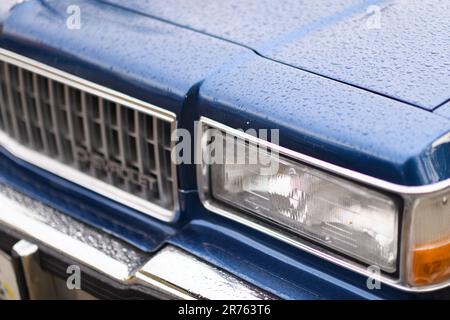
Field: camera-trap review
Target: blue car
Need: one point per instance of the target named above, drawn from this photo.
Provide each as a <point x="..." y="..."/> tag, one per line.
<point x="194" y="149"/>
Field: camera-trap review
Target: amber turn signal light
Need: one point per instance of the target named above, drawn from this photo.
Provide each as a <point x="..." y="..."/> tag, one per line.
<point x="431" y="263"/>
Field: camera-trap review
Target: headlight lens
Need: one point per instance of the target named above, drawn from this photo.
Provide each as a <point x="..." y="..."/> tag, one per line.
<point x="308" y="202"/>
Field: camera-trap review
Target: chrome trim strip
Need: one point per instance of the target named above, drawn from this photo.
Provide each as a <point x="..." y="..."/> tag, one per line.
<point x="74" y="175"/>
<point x="171" y="272"/>
<point x="347" y="173"/>
<point x="410" y="195"/>
<point x="198" y="278"/>
<point x="85" y="85"/>
<point x="44" y="224"/>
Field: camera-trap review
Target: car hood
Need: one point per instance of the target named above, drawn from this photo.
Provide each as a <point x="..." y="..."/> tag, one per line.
<point x="195" y="72"/>
<point x="396" y="48"/>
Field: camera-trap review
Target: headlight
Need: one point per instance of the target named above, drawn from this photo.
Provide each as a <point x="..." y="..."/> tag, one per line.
<point x="354" y="220"/>
<point x="339" y="214"/>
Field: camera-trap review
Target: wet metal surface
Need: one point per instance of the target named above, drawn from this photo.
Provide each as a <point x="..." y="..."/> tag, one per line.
<point x="398" y="48"/>
<point x="102" y="242"/>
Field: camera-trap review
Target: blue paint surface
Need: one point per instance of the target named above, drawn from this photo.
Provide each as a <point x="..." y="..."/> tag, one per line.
<point x="141" y="57"/>
<point x="213" y="71"/>
<point x="393" y="47"/>
<point x="329" y="120"/>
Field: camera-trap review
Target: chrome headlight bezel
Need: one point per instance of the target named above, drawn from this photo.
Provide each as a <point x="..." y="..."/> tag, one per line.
<point x="409" y="197"/>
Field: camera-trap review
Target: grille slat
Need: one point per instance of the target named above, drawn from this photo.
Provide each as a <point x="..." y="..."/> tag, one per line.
<point x="4" y="123"/>
<point x="10" y="107"/>
<point x="72" y="157"/>
<point x="84" y="114"/>
<point x="56" y="131"/>
<point x="40" y="116"/>
<point x="138" y="119"/>
<point x="104" y="135"/>
<point x="106" y="139"/>
<point x="24" y="92"/>
<point x="156" y="154"/>
<point x="121" y="144"/>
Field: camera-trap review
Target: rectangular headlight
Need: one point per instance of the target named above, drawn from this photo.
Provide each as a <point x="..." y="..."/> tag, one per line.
<point x="305" y="202"/>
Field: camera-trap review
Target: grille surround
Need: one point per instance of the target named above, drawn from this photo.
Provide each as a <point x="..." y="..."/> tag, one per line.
<point x="158" y="200"/>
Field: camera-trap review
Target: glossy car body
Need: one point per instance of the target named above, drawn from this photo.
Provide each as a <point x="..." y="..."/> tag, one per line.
<point x="370" y="100"/>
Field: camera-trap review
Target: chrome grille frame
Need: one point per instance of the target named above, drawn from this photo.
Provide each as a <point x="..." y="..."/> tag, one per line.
<point x="63" y="86"/>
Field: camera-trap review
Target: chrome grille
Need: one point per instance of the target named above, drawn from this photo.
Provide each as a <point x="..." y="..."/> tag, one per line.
<point x="122" y="145"/>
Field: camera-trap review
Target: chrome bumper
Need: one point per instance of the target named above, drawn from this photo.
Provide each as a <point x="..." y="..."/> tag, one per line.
<point x="171" y="273"/>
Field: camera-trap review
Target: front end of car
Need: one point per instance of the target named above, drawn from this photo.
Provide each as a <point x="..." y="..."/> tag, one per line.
<point x="120" y="145"/>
